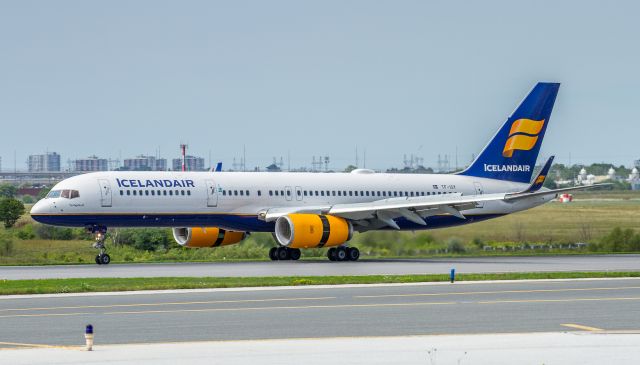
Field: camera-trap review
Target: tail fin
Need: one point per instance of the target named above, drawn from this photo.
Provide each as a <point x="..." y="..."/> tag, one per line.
<point x="512" y="153"/>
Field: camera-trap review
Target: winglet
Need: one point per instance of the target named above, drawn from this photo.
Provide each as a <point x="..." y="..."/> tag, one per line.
<point x="218" y="167"/>
<point x="540" y="178"/>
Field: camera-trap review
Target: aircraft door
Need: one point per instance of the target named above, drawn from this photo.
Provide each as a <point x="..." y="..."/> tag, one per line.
<point x="298" y="193"/>
<point x="479" y="191"/>
<point x="287" y="192"/>
<point x="212" y="193"/>
<point x="105" y="192"/>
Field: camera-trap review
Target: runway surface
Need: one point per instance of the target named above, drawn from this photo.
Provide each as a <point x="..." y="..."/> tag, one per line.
<point x="322" y="312"/>
<point x="323" y="268"/>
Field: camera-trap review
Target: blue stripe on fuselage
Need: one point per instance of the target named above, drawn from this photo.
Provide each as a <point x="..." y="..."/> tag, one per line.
<point x="249" y="223"/>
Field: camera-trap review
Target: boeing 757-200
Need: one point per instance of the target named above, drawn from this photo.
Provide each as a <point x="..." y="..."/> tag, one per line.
<point x="313" y="210"/>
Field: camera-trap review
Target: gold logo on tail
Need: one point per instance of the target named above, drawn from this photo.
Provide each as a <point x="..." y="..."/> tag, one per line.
<point x="522" y="136"/>
<point x="540" y="179"/>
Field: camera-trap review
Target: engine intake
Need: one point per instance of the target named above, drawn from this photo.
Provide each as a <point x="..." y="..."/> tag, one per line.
<point x="312" y="230"/>
<point x="206" y="237"/>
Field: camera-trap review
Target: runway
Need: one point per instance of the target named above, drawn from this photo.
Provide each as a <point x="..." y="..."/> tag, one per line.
<point x="324" y="268"/>
<point x="323" y="312"/>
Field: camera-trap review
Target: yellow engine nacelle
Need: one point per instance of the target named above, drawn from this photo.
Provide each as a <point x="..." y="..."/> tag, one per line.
<point x="206" y="237"/>
<point x="312" y="230"/>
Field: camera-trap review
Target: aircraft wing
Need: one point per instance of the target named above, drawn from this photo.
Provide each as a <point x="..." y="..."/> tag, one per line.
<point x="380" y="213"/>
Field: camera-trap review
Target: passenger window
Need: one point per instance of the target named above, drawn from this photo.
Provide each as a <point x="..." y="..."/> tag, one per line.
<point x="259" y="193"/>
<point x="350" y="192"/>
<point x="135" y="192"/>
<point x="146" y="192"/>
<point x="384" y="193"/>
<point x="128" y="192"/>
<point x="322" y="192"/>
<point x="270" y="192"/>
<point x="153" y="192"/>
<point x="189" y="192"/>
<point x="171" y="192"/>
<point x="299" y="192"/>
<point x="121" y="192"/>
<point x="164" y="192"/>
<point x="305" y="193"/>
<point x="282" y="192"/>
<point x="182" y="192"/>
<point x="367" y="193"/>
<point x="242" y="192"/>
<point x="288" y="192"/>
<point x="317" y="194"/>
<point x="339" y="193"/>
<point x="356" y="192"/>
<point x="247" y="192"/>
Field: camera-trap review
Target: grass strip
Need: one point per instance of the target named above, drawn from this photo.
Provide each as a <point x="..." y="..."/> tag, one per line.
<point x="80" y="285"/>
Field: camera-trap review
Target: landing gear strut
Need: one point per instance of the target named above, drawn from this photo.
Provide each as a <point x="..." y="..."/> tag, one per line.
<point x="284" y="253"/>
<point x="100" y="235"/>
<point x="343" y="254"/>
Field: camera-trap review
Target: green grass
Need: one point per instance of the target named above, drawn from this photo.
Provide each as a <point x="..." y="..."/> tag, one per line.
<point x="45" y="286"/>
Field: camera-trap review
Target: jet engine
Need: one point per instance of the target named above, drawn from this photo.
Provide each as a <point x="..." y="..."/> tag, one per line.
<point x="206" y="237"/>
<point x="312" y="230"/>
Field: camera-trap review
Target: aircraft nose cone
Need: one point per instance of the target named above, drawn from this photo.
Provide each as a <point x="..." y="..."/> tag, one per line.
<point x="39" y="208"/>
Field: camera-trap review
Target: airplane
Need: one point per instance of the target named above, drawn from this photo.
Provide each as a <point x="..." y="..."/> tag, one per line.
<point x="313" y="210"/>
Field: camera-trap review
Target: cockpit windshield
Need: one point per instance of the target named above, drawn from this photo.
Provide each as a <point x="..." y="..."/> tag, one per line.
<point x="68" y="194"/>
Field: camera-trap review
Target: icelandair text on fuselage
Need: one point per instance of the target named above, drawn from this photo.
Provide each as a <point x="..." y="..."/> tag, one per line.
<point x="510" y="168"/>
<point x="165" y="183"/>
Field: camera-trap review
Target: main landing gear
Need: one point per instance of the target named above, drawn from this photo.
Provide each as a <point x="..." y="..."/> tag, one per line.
<point x="284" y="253"/>
<point x="100" y="235"/>
<point x="343" y="254"/>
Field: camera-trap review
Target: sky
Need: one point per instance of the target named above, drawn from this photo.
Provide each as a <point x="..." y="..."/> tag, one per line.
<point x="313" y="78"/>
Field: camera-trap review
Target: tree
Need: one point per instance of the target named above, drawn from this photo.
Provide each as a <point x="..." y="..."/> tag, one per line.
<point x="8" y="191"/>
<point x="10" y="211"/>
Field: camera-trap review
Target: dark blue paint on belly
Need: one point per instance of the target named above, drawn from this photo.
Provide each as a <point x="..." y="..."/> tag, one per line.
<point x="249" y="223"/>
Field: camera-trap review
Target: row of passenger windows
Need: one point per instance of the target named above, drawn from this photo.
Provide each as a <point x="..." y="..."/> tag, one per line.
<point x="374" y="193"/>
<point x="156" y="192"/>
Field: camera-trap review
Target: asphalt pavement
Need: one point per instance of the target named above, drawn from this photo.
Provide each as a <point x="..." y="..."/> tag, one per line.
<point x="325" y="267"/>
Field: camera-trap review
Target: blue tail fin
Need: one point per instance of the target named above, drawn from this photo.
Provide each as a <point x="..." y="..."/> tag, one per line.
<point x="512" y="153"/>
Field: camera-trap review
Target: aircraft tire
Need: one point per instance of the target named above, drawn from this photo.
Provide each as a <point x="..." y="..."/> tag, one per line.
<point x="105" y="259"/>
<point x="331" y="254"/>
<point x="295" y="254"/>
<point x="353" y="254"/>
<point x="341" y="254"/>
<point x="283" y="253"/>
<point x="272" y="254"/>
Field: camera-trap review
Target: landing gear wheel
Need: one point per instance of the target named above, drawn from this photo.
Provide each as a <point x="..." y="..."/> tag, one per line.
<point x="105" y="259"/>
<point x="331" y="254"/>
<point x="282" y="253"/>
<point x="295" y="254"/>
<point x="341" y="254"/>
<point x="353" y="254"/>
<point x="272" y="253"/>
<point x="100" y="233"/>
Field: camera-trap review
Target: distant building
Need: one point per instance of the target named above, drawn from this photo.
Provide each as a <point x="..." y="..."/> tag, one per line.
<point x="192" y="163"/>
<point x="273" y="168"/>
<point x="145" y="163"/>
<point x="44" y="163"/>
<point x="91" y="163"/>
<point x="634" y="179"/>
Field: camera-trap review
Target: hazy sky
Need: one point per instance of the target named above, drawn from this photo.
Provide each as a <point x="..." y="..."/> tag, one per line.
<point x="313" y="78"/>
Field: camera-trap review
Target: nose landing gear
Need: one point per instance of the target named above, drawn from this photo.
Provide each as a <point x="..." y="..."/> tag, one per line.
<point x="100" y="235"/>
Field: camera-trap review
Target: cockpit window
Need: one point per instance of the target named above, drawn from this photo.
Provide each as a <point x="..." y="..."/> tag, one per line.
<point x="69" y="194"/>
<point x="53" y="194"/>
